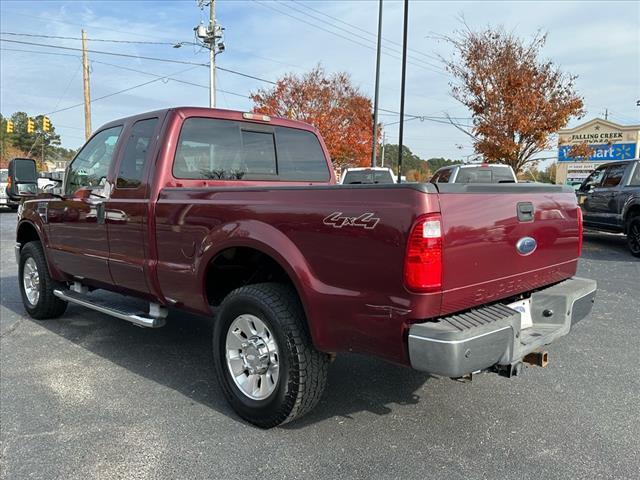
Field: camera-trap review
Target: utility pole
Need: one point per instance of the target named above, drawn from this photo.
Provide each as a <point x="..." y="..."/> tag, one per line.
<point x="375" y="101"/>
<point x="402" y="85"/>
<point x="384" y="141"/>
<point x="86" y="88"/>
<point x="210" y="37"/>
<point x="212" y="56"/>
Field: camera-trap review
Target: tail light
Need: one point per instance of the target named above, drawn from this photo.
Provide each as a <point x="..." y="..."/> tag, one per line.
<point x="580" y="231"/>
<point x="423" y="260"/>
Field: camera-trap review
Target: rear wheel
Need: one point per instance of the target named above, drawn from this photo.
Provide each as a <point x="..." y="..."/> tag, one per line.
<point x="36" y="286"/>
<point x="267" y="366"/>
<point x="633" y="235"/>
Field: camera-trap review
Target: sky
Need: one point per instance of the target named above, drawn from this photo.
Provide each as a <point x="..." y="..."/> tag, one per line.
<point x="599" y="41"/>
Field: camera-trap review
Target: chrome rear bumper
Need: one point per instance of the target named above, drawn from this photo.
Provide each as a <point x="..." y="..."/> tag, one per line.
<point x="491" y="336"/>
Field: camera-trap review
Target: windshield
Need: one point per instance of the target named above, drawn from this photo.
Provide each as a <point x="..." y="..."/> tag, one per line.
<point x="484" y="174"/>
<point x="367" y="176"/>
<point x="4" y="174"/>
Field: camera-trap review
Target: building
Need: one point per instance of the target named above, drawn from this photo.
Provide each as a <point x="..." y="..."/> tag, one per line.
<point x="608" y="141"/>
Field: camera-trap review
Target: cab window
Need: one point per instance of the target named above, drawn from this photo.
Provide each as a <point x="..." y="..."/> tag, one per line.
<point x="136" y="154"/>
<point x="613" y="175"/>
<point x="90" y="167"/>
<point x="443" y="176"/>
<point x="635" y="178"/>
<point x="214" y="149"/>
<point x="594" y="180"/>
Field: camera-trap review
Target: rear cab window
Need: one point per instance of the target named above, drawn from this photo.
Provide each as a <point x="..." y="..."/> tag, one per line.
<point x="214" y="149"/>
<point x="367" y="176"/>
<point x="487" y="174"/>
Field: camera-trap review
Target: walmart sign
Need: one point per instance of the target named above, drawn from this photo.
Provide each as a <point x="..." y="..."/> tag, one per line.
<point x="617" y="151"/>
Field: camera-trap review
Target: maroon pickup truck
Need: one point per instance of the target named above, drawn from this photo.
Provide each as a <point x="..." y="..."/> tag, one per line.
<point x="237" y="216"/>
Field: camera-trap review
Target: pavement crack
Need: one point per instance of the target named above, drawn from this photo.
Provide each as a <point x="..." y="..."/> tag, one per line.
<point x="11" y="329"/>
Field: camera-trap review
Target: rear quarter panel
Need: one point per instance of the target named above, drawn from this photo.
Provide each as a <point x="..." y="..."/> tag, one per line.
<point x="350" y="278"/>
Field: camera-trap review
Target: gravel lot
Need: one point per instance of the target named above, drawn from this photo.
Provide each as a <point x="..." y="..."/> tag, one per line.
<point x="88" y="396"/>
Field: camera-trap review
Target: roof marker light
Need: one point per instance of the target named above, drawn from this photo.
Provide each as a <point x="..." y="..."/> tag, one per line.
<point x="256" y="116"/>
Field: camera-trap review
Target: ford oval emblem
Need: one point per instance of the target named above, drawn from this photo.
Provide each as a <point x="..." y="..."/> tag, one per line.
<point x="526" y="246"/>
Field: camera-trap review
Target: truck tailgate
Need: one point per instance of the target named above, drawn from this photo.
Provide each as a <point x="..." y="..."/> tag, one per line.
<point x="482" y="228"/>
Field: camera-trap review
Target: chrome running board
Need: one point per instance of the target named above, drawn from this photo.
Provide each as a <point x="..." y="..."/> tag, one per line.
<point x="154" y="319"/>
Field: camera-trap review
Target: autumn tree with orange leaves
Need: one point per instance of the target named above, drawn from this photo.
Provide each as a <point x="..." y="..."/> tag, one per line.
<point x="332" y="104"/>
<point x="517" y="100"/>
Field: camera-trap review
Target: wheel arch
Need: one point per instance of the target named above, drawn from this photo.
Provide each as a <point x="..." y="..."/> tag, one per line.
<point x="29" y="231"/>
<point x="248" y="244"/>
<point x="632" y="209"/>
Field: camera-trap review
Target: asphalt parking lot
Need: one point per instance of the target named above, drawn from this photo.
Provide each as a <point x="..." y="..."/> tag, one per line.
<point x="88" y="396"/>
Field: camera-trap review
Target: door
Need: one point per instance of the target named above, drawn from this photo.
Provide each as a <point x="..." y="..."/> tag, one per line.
<point x="585" y="195"/>
<point x="127" y="210"/>
<point x="602" y="200"/>
<point x="77" y="230"/>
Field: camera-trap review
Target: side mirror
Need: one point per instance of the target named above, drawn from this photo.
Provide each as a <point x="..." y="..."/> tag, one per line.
<point x="22" y="178"/>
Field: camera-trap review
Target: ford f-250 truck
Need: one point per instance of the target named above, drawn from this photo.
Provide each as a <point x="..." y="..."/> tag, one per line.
<point x="237" y="216"/>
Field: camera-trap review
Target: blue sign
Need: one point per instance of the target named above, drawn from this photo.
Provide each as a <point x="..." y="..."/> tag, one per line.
<point x="601" y="153"/>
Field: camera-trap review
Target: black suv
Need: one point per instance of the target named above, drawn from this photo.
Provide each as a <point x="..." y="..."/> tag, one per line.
<point x="610" y="200"/>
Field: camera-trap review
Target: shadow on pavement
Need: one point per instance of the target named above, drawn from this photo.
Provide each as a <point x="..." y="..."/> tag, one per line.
<point x="179" y="356"/>
<point x="606" y="246"/>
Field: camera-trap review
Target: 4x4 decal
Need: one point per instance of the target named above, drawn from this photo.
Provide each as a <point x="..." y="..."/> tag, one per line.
<point x="338" y="220"/>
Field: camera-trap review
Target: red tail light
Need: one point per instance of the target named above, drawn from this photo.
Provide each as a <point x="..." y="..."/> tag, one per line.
<point x="423" y="260"/>
<point x="580" y="231"/>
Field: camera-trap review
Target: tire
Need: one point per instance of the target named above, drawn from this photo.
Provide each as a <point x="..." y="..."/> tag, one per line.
<point x="633" y="235"/>
<point x="301" y="369"/>
<point x="43" y="304"/>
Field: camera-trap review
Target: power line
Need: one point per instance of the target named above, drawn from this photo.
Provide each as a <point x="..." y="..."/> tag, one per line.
<point x="169" y="77"/>
<point x="141" y="57"/>
<point x="142" y="42"/>
<point x="48" y="20"/>
<point x="350" y="32"/>
<point x="116" y="93"/>
<point x="38" y="51"/>
<point x="314" y="25"/>
<point x="363" y="30"/>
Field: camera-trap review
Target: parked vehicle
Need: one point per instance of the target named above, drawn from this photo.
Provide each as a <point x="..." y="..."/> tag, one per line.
<point x="4" y="198"/>
<point x="360" y="175"/>
<point x="237" y="216"/>
<point x="610" y="200"/>
<point x="475" y="173"/>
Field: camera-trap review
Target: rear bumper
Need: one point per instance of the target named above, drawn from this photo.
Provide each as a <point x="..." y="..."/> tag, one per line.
<point x="491" y="336"/>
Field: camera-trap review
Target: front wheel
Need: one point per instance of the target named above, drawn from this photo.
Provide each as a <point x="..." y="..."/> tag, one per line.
<point x="267" y="366"/>
<point x="36" y="286"/>
<point x="633" y="236"/>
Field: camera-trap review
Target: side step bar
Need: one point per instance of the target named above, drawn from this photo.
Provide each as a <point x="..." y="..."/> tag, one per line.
<point x="154" y="319"/>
